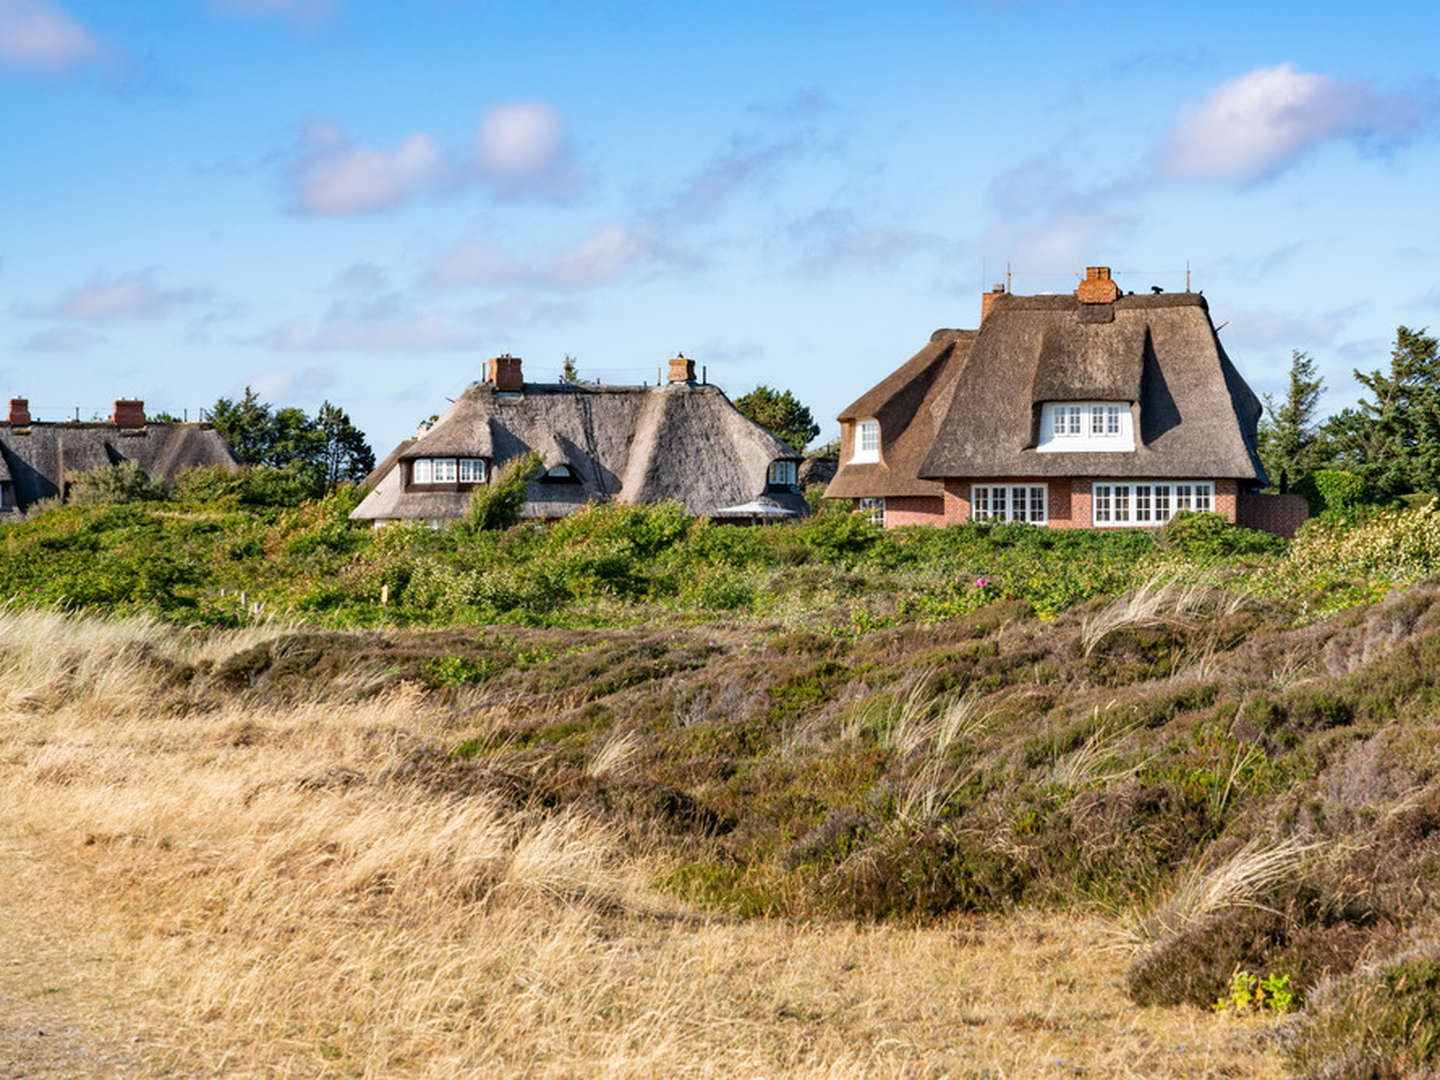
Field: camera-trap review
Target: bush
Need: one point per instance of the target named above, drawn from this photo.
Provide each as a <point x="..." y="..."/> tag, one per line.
<point x="497" y="505"/>
<point x="208" y="484"/>
<point x="1334" y="490"/>
<point x="1203" y="534"/>
<point x="112" y="485"/>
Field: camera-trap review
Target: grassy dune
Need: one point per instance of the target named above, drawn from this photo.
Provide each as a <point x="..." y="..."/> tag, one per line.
<point x="273" y="881"/>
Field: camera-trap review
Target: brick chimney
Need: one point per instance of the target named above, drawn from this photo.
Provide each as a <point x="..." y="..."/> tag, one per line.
<point x="986" y="299"/>
<point x="129" y="413"/>
<point x="681" y="369"/>
<point x="19" y="412"/>
<point x="505" y="374"/>
<point x="1097" y="288"/>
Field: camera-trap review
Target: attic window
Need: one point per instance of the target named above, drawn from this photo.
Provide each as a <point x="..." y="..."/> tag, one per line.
<point x="867" y="441"/>
<point x="1085" y="426"/>
<point x="447" y="471"/>
<point x="781" y="474"/>
<point x="559" y="474"/>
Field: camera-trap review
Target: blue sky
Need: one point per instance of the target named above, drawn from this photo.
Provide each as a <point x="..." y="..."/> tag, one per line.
<point x="362" y="201"/>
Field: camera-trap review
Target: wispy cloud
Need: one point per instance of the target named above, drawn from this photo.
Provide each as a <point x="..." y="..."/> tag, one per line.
<point x="832" y="239"/>
<point x="289" y="385"/>
<point x="39" y="35"/>
<point x="606" y="253"/>
<point x="106" y="299"/>
<point x="385" y="324"/>
<point x="744" y="163"/>
<point x="361" y="279"/>
<point x="60" y="339"/>
<point x="1259" y="124"/>
<point x="301" y="12"/>
<point x="1264" y="327"/>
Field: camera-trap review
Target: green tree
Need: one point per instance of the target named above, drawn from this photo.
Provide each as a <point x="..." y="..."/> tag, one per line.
<point x="1401" y="445"/>
<point x="781" y="414"/>
<point x="245" y="424"/>
<point x="347" y="456"/>
<point x="1287" y="436"/>
<point x="570" y="372"/>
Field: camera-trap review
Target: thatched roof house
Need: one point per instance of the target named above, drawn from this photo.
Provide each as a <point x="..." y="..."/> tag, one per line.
<point x="39" y="459"/>
<point x="634" y="444"/>
<point x="1094" y="409"/>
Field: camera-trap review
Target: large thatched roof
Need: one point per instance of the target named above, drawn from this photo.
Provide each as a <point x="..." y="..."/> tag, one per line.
<point x="41" y="457"/>
<point x="969" y="403"/>
<point x="910" y="404"/>
<point x="634" y="444"/>
<point x="1197" y="417"/>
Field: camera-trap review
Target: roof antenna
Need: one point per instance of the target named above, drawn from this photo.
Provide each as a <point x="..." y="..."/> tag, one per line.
<point x="1187" y="275"/>
<point x="1007" y="275"/>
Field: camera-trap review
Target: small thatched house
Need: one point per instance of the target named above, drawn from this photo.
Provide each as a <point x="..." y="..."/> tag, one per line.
<point x="632" y="444"/>
<point x="1091" y="410"/>
<point x="39" y="459"/>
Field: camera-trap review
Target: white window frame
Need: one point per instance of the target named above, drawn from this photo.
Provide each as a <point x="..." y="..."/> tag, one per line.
<point x="471" y="470"/>
<point x="781" y="474"/>
<point x="1085" y="426"/>
<point x="445" y="470"/>
<point x="1123" y="504"/>
<point x="999" y="502"/>
<point x="867" y="441"/>
<point x="421" y="471"/>
<point x="874" y="511"/>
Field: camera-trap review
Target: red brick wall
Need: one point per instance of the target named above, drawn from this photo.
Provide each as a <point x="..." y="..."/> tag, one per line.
<point x="914" y="510"/>
<point x="1278" y="514"/>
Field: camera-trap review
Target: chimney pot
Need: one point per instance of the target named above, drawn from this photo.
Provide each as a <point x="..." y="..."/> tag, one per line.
<point x="682" y="369"/>
<point x="19" y="412"/>
<point x="1097" y="288"/>
<point x="128" y="413"/>
<point x="505" y="374"/>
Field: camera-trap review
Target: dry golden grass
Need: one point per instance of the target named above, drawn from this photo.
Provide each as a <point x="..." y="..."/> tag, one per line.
<point x="253" y="893"/>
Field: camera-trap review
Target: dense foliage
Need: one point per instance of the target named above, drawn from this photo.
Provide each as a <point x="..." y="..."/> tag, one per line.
<point x="780" y="413"/>
<point x="320" y="452"/>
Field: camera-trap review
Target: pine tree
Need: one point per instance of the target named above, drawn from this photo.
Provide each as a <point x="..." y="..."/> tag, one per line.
<point x="1402" y="444"/>
<point x="1287" y="436"/>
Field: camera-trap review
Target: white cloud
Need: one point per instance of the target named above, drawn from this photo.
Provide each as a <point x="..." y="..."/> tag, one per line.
<point x="336" y="176"/>
<point x="1259" y="328"/>
<point x="105" y="299"/>
<point x="40" y="35"/>
<point x="288" y="385"/>
<point x="600" y="257"/>
<point x="1259" y="124"/>
<point x="304" y="12"/>
<point x="521" y="149"/>
<point x="383" y="325"/>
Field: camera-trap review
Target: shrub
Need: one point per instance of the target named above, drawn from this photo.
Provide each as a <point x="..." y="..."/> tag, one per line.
<point x="497" y="505"/>
<point x="1334" y="490"/>
<point x="208" y="484"/>
<point x="1202" y="534"/>
<point x="110" y="485"/>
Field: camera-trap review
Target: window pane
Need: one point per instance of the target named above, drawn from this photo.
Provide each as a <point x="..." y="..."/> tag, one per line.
<point x="1122" y="502"/>
<point x="1074" y="419"/>
<point x="1202" y="496"/>
<point x="1017" y="504"/>
<point x="869" y="435"/>
<point x="1097" y="419"/>
<point x="1182" y="497"/>
<point x="1162" y="502"/>
<point x="444" y="470"/>
<point x="1112" y="419"/>
<point x="422" y="471"/>
<point x="1142" y="502"/>
<point x="472" y="471"/>
<point x="1102" y="502"/>
<point x="1037" y="504"/>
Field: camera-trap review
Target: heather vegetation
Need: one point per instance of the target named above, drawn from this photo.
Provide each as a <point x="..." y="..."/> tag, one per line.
<point x="1210" y="749"/>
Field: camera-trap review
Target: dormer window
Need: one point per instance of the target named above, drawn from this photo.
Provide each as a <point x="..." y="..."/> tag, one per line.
<point x="1070" y="427"/>
<point x="559" y="474"/>
<point x="781" y="474"/>
<point x="867" y="441"/>
<point x="447" y="471"/>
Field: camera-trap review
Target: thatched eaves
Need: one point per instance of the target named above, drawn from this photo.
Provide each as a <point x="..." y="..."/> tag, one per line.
<point x="633" y="444"/>
<point x="1196" y="416"/>
<point x="40" y="458"/>
<point x="910" y="404"/>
